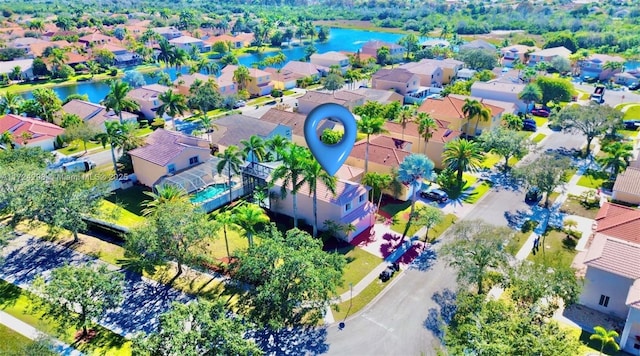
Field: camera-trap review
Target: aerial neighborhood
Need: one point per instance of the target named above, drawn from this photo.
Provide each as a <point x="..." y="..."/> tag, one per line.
<point x="161" y="194"/>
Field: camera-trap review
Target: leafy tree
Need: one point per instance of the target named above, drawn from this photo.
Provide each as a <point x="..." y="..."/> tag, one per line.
<point x="472" y="109"/>
<point x="426" y="126"/>
<point x="410" y="42"/>
<point x="76" y="96"/>
<point x="39" y="68"/>
<point x="476" y="250"/>
<point x="606" y="337"/>
<point x="592" y="120"/>
<point x="428" y="216"/>
<point x="561" y="64"/>
<point x="248" y="217"/>
<point x="117" y="99"/>
<point x="204" y="97"/>
<point x="530" y="94"/>
<point x="413" y="170"/>
<point x="314" y="174"/>
<point x="506" y="143"/>
<point x="226" y="220"/>
<point x="555" y="89"/>
<point x="617" y="159"/>
<point x="309" y="51"/>
<point x="231" y="158"/>
<point x="331" y="137"/>
<point x="370" y="109"/>
<point x="229" y="58"/>
<point x="6" y="139"/>
<point x="294" y="279"/>
<point x="116" y="135"/>
<point x="370" y="125"/>
<point x="10" y="103"/>
<point x="461" y="87"/>
<point x="81" y="131"/>
<point x="104" y="57"/>
<point x="254" y="149"/>
<point x="177" y="231"/>
<point x="333" y="82"/>
<point x="48" y="103"/>
<point x="134" y="78"/>
<point x="86" y="290"/>
<point x="479" y="59"/>
<point x="323" y="34"/>
<point x="460" y="156"/>
<point x="173" y="104"/>
<point x="406" y="115"/>
<point x="291" y="173"/>
<point x="565" y="39"/>
<point x="277" y="144"/>
<point x="164" y="194"/>
<point x="383" y="56"/>
<point x="377" y="182"/>
<point x="69" y="120"/>
<point x="512" y="121"/>
<point x="533" y="285"/>
<point x="210" y="331"/>
<point x="546" y="173"/>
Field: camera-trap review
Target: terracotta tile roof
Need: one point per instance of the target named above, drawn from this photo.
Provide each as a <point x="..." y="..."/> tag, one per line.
<point x="221" y="38"/>
<point x="443" y="63"/>
<point x="39" y="130"/>
<point x="332" y="55"/>
<point x="628" y="181"/>
<point x="381" y="96"/>
<point x="614" y="255"/>
<point x="292" y="120"/>
<point x="94" y="114"/>
<point x="38" y="48"/>
<point x="148" y="92"/>
<point x="442" y="134"/>
<point x="345" y="191"/>
<point x="97" y="37"/>
<point x="347" y="172"/>
<point x="188" y="79"/>
<point x="305" y="68"/>
<point x="619" y="221"/>
<point x="283" y="75"/>
<point x="375" y="45"/>
<point x="390" y="142"/>
<point x="396" y="75"/>
<point x="380" y="154"/>
<point x="348" y="95"/>
<point x="426" y="68"/>
<point x="185" y="39"/>
<point x="253" y="72"/>
<point x="234" y="128"/>
<point x="111" y="48"/>
<point x="163" y="146"/>
<point x="450" y="107"/>
<point x="75" y="58"/>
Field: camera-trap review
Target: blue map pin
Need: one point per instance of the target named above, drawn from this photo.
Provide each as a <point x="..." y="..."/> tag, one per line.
<point x="330" y="157"/>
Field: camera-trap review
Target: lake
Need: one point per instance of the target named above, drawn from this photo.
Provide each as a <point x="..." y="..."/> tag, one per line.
<point x="340" y="39"/>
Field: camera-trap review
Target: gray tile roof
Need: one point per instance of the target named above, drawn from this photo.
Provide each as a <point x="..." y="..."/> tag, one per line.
<point x="234" y="128"/>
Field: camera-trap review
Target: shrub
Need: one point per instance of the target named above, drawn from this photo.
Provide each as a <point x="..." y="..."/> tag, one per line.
<point x="529" y="226"/>
<point x="276" y="93"/>
<point x="157" y="124"/>
<point x="113" y="72"/>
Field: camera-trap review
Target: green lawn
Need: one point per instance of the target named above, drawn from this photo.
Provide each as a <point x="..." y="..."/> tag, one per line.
<point x="260" y="100"/>
<point x="217" y="247"/>
<point x="633" y="112"/>
<point x="588" y="346"/>
<point x="393" y="209"/>
<point x="593" y="179"/>
<point x="359" y="264"/>
<point x="492" y="160"/>
<point x="78" y="147"/>
<point x="113" y="213"/>
<point x="515" y="244"/>
<point x="628" y="133"/>
<point x="12" y="343"/>
<point x="539" y="137"/>
<point x="19" y="303"/>
<point x="358" y="302"/>
<point x="477" y="193"/>
<point x="540" y="121"/>
<point x="559" y="249"/>
<point x="573" y="205"/>
<point x="288" y="92"/>
<point x="130" y="199"/>
<point x="403" y="216"/>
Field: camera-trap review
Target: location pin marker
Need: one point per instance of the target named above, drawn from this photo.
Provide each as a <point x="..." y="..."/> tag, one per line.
<point x="330" y="157"/>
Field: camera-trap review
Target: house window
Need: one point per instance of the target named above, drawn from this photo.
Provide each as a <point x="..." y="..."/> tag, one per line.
<point x="361" y="198"/>
<point x="193" y="160"/>
<point x="347" y="207"/>
<point x="604" y="300"/>
<point x="171" y="168"/>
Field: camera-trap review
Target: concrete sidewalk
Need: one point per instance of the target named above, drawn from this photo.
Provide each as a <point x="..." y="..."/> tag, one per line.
<point x="32" y="333"/>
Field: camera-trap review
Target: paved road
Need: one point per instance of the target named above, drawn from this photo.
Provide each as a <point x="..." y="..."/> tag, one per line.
<point x="612" y="97"/>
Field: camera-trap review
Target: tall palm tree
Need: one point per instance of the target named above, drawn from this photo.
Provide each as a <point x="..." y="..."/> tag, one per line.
<point x="254" y="149"/>
<point x="248" y="216"/>
<point x="227" y="221"/>
<point x="314" y="174"/>
<point x="276" y="144"/>
<point x="484" y="115"/>
<point x="231" y="158"/>
<point x="117" y="99"/>
<point x="165" y="193"/>
<point x="166" y="52"/>
<point x="606" y="337"/>
<point x="94" y="68"/>
<point x="291" y="172"/>
<point x="462" y="155"/>
<point x="242" y="77"/>
<point x="173" y="104"/>
<point x="370" y="126"/>
<point x="407" y="114"/>
<point x="6" y="139"/>
<point x="617" y="159"/>
<point x="377" y="182"/>
<point x="58" y="57"/>
<point x="207" y="124"/>
<point x="531" y="93"/>
<point x="426" y="125"/>
<point x="10" y="102"/>
<point x="113" y="135"/>
<point x="471" y="108"/>
<point x="412" y="171"/>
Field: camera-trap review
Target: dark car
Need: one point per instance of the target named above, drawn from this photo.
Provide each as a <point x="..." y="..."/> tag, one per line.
<point x="435" y="194"/>
<point x="387" y="273"/>
<point x="631" y="124"/>
<point x="540" y="112"/>
<point x="533" y="195"/>
<point x="529" y="125"/>
<point x="636" y="86"/>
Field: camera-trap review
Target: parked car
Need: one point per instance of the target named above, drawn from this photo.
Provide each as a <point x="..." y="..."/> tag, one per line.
<point x="529" y="125"/>
<point x="388" y="273"/>
<point x="635" y="86"/>
<point x="435" y="194"/>
<point x="631" y="124"/>
<point x="533" y="195"/>
<point x="239" y="104"/>
<point x="79" y="166"/>
<point x="540" y="112"/>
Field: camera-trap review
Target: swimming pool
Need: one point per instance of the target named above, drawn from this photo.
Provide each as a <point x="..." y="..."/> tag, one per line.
<point x="208" y="193"/>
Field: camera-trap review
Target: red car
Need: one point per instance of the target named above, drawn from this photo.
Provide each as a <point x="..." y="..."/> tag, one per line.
<point x="540" y="112"/>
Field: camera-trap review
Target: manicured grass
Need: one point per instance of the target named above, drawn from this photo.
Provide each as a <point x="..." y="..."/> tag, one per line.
<point x="403" y="217"/>
<point x="629" y="133"/>
<point x="593" y="179"/>
<point x="78" y="147"/>
<point x="19" y="303"/>
<point x="131" y="199"/>
<point x="288" y="92"/>
<point x="12" y="343"/>
<point x="588" y="346"/>
<point x="569" y="173"/>
<point x="540" y="121"/>
<point x="539" y="137"/>
<point x="491" y="160"/>
<point x="515" y="244"/>
<point x="437" y="230"/>
<point x="113" y="213"/>
<point x="633" y="112"/>
<point x="477" y="193"/>
<point x="359" y="264"/>
<point x="556" y="249"/>
<point x="573" y="205"/>
<point x="260" y="100"/>
<point x="393" y="209"/>
<point x="217" y="247"/>
<point x="358" y="302"/>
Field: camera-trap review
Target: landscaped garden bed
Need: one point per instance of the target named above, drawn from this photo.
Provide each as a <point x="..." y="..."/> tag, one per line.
<point x="575" y="205"/>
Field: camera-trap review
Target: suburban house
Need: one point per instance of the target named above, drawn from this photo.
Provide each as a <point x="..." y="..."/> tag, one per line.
<point x="311" y="99"/>
<point x="331" y="58"/>
<point x="381" y="96"/>
<point x="147" y="97"/>
<point x="627" y="186"/>
<point x="612" y="277"/>
<point x="548" y="54"/>
<point x="186" y="42"/>
<point x="435" y="42"/>
<point x="478" y="44"/>
<point x="95" y="114"/>
<point x="233" y="129"/>
<point x="238" y="41"/>
<point x="349" y="206"/>
<point x="501" y="91"/>
<point x="183" y="83"/>
<point x="226" y="85"/>
<point x="449" y="109"/>
<point x="283" y="79"/>
<point x="592" y="66"/>
<point x="401" y="80"/>
<point x="37" y="49"/>
<point x="466" y="73"/>
<point x="429" y="73"/>
<point x="519" y="52"/>
<point x="26" y="67"/>
<point x="25" y="43"/>
<point x="435" y="147"/>
<point x="625" y="78"/>
<point x="449" y="66"/>
<point x="306" y="69"/>
<point x="395" y="50"/>
<point x="295" y="121"/>
<point x="168" y="33"/>
<point x="350" y="173"/>
<point x="96" y="38"/>
<point x="259" y="80"/>
<point x="49" y="35"/>
<point x="29" y="132"/>
<point x="123" y="57"/>
<point x="166" y="153"/>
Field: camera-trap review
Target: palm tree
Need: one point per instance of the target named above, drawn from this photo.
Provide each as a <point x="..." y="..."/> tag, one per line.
<point x="484" y="115"/>
<point x="606" y="337"/>
<point x="113" y="135"/>
<point x="426" y="125"/>
<point x="370" y="126"/>
<point x="377" y="182"/>
<point x="462" y="155"/>
<point x="232" y="158"/>
<point x="248" y="216"/>
<point x="471" y="109"/>
<point x="173" y="104"/>
<point x="406" y="115"/>
<point x="166" y="52"/>
<point x="412" y="171"/>
<point x="291" y="172"/>
<point x="10" y="102"/>
<point x="37" y="25"/>
<point x="165" y="193"/>
<point x="226" y="220"/>
<point x="16" y="73"/>
<point x="617" y="159"/>
<point x="117" y="99"/>
<point x="207" y="124"/>
<point x="58" y="57"/>
<point x="612" y="66"/>
<point x="254" y="149"/>
<point x="531" y="93"/>
<point x="94" y="68"/>
<point x="277" y="144"/>
<point x="242" y="77"/>
<point x="313" y="174"/>
<point x="6" y="139"/>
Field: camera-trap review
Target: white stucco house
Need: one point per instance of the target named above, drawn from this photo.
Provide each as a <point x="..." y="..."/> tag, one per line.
<point x="497" y="90"/>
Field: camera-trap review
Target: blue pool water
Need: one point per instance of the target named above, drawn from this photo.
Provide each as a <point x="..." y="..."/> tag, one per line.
<point x="208" y="193"/>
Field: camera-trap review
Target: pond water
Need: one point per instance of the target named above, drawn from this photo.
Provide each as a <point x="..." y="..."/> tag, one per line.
<point x="340" y="39"/>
